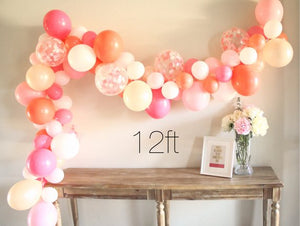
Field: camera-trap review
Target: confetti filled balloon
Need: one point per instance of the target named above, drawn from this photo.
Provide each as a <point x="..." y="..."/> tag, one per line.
<point x="110" y="79"/>
<point x="168" y="63"/>
<point x="234" y="39"/>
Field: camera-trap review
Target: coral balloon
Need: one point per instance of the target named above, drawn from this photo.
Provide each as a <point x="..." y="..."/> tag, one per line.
<point x="57" y="24"/>
<point x="108" y="46"/>
<point x="137" y="96"/>
<point x="244" y="80"/>
<point x="40" y="110"/>
<point x="255" y="30"/>
<point x="211" y="84"/>
<point x="41" y="162"/>
<point x="110" y="79"/>
<point x="257" y="41"/>
<point x="268" y="10"/>
<point x="195" y="98"/>
<point x="159" y="106"/>
<point x="24" y="194"/>
<point x="278" y="52"/>
<point x="43" y="213"/>
<point x="168" y="63"/>
<point x="234" y="39"/>
<point x="40" y="77"/>
<point x="72" y="41"/>
<point x="51" y="51"/>
<point x="24" y="94"/>
<point x="184" y="80"/>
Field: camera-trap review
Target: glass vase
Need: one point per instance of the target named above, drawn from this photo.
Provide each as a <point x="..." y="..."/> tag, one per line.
<point x="243" y="155"/>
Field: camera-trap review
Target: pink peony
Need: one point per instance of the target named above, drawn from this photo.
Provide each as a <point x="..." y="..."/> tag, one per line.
<point x="242" y="126"/>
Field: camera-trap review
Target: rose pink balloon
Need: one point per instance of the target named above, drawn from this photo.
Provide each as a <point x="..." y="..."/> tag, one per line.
<point x="42" y="213"/>
<point x="223" y="73"/>
<point x="57" y="24"/>
<point x="51" y="51"/>
<point x="256" y="30"/>
<point x="88" y="38"/>
<point x="71" y="72"/>
<point x="195" y="98"/>
<point x="24" y="94"/>
<point x="212" y="63"/>
<point x="42" y="141"/>
<point x="168" y="63"/>
<point x="187" y="67"/>
<point x="268" y="10"/>
<point x="64" y="116"/>
<point x="55" y="92"/>
<point x="234" y="39"/>
<point x="41" y="162"/>
<point x="58" y="68"/>
<point x="230" y="58"/>
<point x="159" y="106"/>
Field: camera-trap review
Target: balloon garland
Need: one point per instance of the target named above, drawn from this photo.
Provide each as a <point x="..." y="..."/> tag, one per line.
<point x="63" y="53"/>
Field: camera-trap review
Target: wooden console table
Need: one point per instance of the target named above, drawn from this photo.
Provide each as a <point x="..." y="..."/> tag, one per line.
<point x="163" y="185"/>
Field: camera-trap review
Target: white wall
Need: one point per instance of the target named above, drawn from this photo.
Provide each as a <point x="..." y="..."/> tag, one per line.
<point x="191" y="27"/>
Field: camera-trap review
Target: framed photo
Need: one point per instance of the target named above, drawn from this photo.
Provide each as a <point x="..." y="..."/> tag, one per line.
<point x="217" y="156"/>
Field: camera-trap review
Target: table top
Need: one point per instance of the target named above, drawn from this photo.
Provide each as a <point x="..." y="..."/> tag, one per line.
<point x="164" y="178"/>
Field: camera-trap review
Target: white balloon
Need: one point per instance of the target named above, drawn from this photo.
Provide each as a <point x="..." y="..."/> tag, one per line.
<point x="135" y="70"/>
<point x="53" y="128"/>
<point x="28" y="175"/>
<point x="125" y="59"/>
<point x="49" y="194"/>
<point x="56" y="176"/>
<point x="155" y="80"/>
<point x="248" y="55"/>
<point x="200" y="70"/>
<point x="170" y="90"/>
<point x="63" y="102"/>
<point x="65" y="145"/>
<point x="82" y="58"/>
<point x="61" y="78"/>
<point x="78" y="31"/>
<point x="272" y="29"/>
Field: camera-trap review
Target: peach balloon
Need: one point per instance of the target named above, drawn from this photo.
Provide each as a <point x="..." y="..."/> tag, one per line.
<point x="268" y="10"/>
<point x="24" y="194"/>
<point x="40" y="77"/>
<point x="184" y="80"/>
<point x="257" y="41"/>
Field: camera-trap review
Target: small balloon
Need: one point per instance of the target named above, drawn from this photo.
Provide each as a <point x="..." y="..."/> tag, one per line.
<point x="223" y="73"/>
<point x="88" y="38"/>
<point x="184" y="80"/>
<point x="257" y="41"/>
<point x="63" y="102"/>
<point x="272" y="29"/>
<point x="248" y="55"/>
<point x="195" y="98"/>
<point x="155" y="80"/>
<point x="159" y="106"/>
<point x="56" y="176"/>
<point x="49" y="194"/>
<point x="71" y="72"/>
<point x="211" y="84"/>
<point x="255" y="30"/>
<point x="78" y="31"/>
<point x="42" y="141"/>
<point x="40" y="77"/>
<point x="212" y="63"/>
<point x="43" y="213"/>
<point x="125" y="59"/>
<point x="230" y="58"/>
<point x="61" y="78"/>
<point x="200" y="70"/>
<point x="72" y="41"/>
<point x="64" y="116"/>
<point x="55" y="92"/>
<point x="168" y="63"/>
<point x="135" y="70"/>
<point x="81" y="58"/>
<point x="24" y="94"/>
<point x="53" y="128"/>
<point x="33" y="59"/>
<point x="170" y="90"/>
<point x="187" y="67"/>
<point x="234" y="39"/>
<point x="40" y="110"/>
<point x="65" y="145"/>
<point x="28" y="175"/>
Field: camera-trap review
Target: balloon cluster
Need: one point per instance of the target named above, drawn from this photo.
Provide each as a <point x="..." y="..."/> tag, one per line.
<point x="63" y="53"/>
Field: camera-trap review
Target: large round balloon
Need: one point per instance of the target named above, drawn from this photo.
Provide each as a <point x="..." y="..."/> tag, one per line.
<point x="24" y="194"/>
<point x="43" y="213"/>
<point x="159" y="106"/>
<point x="195" y="98"/>
<point x="57" y="24"/>
<point x="278" y="52"/>
<point x="111" y="79"/>
<point x="268" y="10"/>
<point x="40" y="77"/>
<point x="137" y="96"/>
<point x="244" y="80"/>
<point x="41" y="162"/>
<point x="108" y="46"/>
<point x="40" y="110"/>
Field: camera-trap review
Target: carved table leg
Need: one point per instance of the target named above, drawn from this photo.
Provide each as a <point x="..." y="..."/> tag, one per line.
<point x="167" y="212"/>
<point x="160" y="213"/>
<point x="56" y="204"/>
<point x="266" y="220"/>
<point x="275" y="207"/>
<point x="74" y="210"/>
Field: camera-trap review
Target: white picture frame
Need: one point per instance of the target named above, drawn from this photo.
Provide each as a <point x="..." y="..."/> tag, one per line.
<point x="217" y="156"/>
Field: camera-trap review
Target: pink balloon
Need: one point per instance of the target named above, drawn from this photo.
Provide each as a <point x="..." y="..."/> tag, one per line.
<point x="268" y="10"/>
<point x="55" y="92"/>
<point x="223" y="73"/>
<point x="57" y="24"/>
<point x="88" y="38"/>
<point x="256" y="30"/>
<point x="71" y="72"/>
<point x="33" y="59"/>
<point x="187" y="67"/>
<point x="230" y="58"/>
<point x="43" y="213"/>
<point x="42" y="141"/>
<point x="64" y="116"/>
<point x="41" y="162"/>
<point x="24" y="94"/>
<point x="195" y="98"/>
<point x="212" y="63"/>
<point x="159" y="106"/>
<point x="58" y="68"/>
